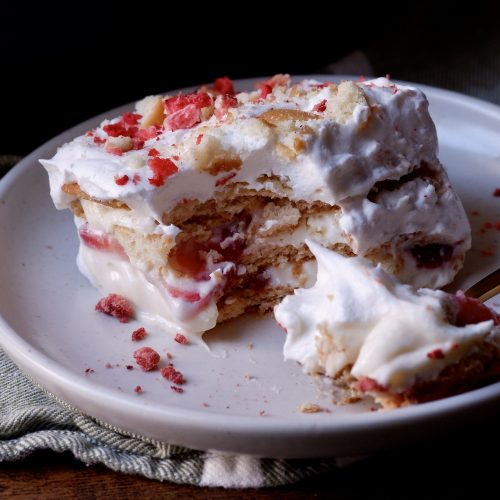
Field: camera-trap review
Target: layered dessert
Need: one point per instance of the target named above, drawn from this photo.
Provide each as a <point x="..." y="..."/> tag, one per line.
<point x="196" y="207"/>
<point x="377" y="336"/>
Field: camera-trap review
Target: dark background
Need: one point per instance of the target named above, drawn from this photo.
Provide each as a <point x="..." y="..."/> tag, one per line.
<point x="60" y="66"/>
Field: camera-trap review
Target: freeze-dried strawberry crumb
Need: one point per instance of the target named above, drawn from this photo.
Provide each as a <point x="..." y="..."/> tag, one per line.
<point x="320" y="107"/>
<point x="129" y="367"/>
<point x="153" y="152"/>
<point x="198" y="139"/>
<point x="222" y="105"/>
<point x="121" y="181"/>
<point x="262" y="413"/>
<point x="179" y="390"/>
<point x="108" y="365"/>
<point x="205" y="405"/>
<point x="181" y="101"/>
<point x="98" y="140"/>
<point x="436" y="354"/>
<point x="136" y="179"/>
<point x="361" y="79"/>
<point x="119" y="129"/>
<point x="148" y="133"/>
<point x="181" y="339"/>
<point x="224" y="180"/>
<point x="114" y="150"/>
<point x="265" y="89"/>
<point x="162" y="168"/>
<point x="496" y="192"/>
<point x="172" y="375"/>
<point x="139" y="334"/>
<point x="368" y="384"/>
<point x="224" y="85"/>
<point x="147" y="358"/>
<point x="117" y="306"/>
<point x="185" y="118"/>
<point x="138" y="389"/>
<point x="169" y="355"/>
<point x="131" y="118"/>
<point x="89" y="370"/>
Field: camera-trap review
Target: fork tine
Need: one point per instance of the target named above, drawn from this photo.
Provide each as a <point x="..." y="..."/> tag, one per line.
<point x="486" y="288"/>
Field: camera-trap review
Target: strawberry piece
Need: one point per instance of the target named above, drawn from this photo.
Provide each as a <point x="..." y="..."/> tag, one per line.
<point x="98" y="140"/>
<point x="139" y="334"/>
<point x="179" y="390"/>
<point x="147" y="358"/>
<point x="320" y="107"/>
<point x="145" y="134"/>
<point x="100" y="241"/>
<point x="367" y="384"/>
<point x="121" y="181"/>
<point x="172" y="375"/>
<point x="471" y="311"/>
<point x="224" y="85"/>
<point x="436" y="354"/>
<point x="114" y="150"/>
<point x="198" y="99"/>
<point x="265" y="90"/>
<point x="178" y="293"/>
<point x="222" y="105"/>
<point x="117" y="306"/>
<point x="162" y="169"/>
<point x="131" y="118"/>
<point x="181" y="339"/>
<point x="153" y="152"/>
<point x="186" y="117"/>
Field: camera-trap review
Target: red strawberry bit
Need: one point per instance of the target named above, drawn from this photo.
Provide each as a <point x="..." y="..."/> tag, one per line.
<point x="119" y="129"/>
<point x="137" y="143"/>
<point x="89" y="370"/>
<point x="496" y="193"/>
<point x="108" y="365"/>
<point x="114" y="150"/>
<point x="198" y="139"/>
<point x="138" y="389"/>
<point x="262" y="413"/>
<point x="117" y="306"/>
<point x="320" y="107"/>
<point x="129" y="367"/>
<point x="151" y="132"/>
<point x="278" y="80"/>
<point x="367" y="384"/>
<point x="131" y="118"/>
<point x="169" y="355"/>
<point x="265" y="90"/>
<point x="136" y="179"/>
<point x="147" y="358"/>
<point x="172" y="375"/>
<point x="205" y="405"/>
<point x="471" y="311"/>
<point x="224" y="180"/>
<point x="179" y="390"/>
<point x="224" y="85"/>
<point x="90" y="133"/>
<point x="177" y="293"/>
<point x="185" y="118"/>
<point x="100" y="241"/>
<point x="436" y="354"/>
<point x="139" y="334"/>
<point x="153" y="152"/>
<point x="121" y="181"/>
<point x="181" y="339"/>
<point x="222" y="105"/>
<point x="98" y="140"/>
<point x="162" y="169"/>
<point x="361" y="79"/>
<point x="197" y="99"/>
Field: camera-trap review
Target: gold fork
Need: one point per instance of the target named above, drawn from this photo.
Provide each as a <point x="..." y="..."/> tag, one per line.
<point x="486" y="288"/>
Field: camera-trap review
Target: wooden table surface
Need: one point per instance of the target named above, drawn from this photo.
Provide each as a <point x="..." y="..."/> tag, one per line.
<point x="462" y="464"/>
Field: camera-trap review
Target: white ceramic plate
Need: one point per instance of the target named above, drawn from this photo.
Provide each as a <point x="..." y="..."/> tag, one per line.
<point x="237" y="398"/>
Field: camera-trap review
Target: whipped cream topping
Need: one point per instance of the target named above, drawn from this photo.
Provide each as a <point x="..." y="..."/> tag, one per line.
<point x="357" y="316"/>
<point x="386" y="134"/>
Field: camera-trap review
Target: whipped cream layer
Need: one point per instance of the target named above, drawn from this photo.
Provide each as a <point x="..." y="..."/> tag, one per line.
<point x="330" y="154"/>
<point x="358" y="317"/>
